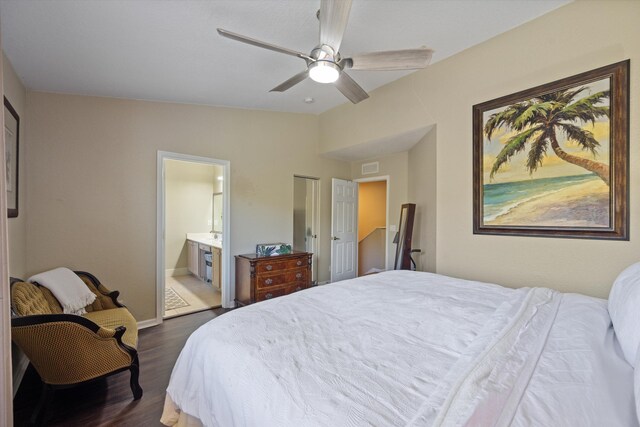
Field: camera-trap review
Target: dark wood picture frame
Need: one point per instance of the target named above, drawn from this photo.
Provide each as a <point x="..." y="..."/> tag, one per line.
<point x="12" y="157"/>
<point x="617" y="173"/>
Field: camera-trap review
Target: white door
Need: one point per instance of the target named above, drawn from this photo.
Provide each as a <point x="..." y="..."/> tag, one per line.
<point x="344" y="229"/>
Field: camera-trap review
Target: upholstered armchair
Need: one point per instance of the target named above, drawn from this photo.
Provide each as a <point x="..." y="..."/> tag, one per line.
<point x="68" y="349"/>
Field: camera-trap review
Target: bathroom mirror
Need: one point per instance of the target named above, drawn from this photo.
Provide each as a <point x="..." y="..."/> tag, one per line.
<point x="217" y="213"/>
<point x="403" y="237"/>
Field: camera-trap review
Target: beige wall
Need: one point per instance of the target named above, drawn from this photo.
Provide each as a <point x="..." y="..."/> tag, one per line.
<point x="372" y="207"/>
<point x="189" y="189"/>
<point x="394" y="166"/>
<point x="554" y="46"/>
<point x="15" y="92"/>
<point x="423" y="192"/>
<point x="371" y="252"/>
<point x="92" y="175"/>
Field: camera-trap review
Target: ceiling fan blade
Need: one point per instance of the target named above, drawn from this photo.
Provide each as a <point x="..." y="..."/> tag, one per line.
<point x="291" y="82"/>
<point x="264" y="45"/>
<point x="350" y="88"/>
<point x="409" y="59"/>
<point x="334" y="15"/>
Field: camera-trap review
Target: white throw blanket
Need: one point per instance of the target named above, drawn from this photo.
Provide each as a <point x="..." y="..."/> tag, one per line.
<point x="369" y="351"/>
<point x="70" y="291"/>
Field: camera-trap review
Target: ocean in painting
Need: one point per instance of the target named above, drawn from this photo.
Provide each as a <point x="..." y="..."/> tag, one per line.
<point x="500" y="199"/>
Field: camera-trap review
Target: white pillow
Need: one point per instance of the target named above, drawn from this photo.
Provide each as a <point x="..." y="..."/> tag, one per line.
<point x="624" y="309"/>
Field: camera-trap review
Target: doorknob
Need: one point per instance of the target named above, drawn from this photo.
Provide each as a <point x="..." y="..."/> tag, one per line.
<point x="335" y="238"/>
<point x="315" y="236"/>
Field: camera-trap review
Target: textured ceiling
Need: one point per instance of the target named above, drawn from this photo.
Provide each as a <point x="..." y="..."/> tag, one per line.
<point x="169" y="50"/>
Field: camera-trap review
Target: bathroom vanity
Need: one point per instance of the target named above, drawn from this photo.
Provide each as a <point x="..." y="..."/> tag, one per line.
<point x="205" y="257"/>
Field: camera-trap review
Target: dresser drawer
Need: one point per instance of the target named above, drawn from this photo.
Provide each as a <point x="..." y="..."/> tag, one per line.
<point x="297" y="275"/>
<point x="296" y="263"/>
<point x="270" y="293"/>
<point x="296" y="287"/>
<point x="269" y="280"/>
<point x="276" y="265"/>
<point x="270" y="266"/>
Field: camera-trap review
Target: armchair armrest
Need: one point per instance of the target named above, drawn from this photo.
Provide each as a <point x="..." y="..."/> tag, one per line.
<point x="68" y="349"/>
<point x="42" y="319"/>
<point x="108" y="299"/>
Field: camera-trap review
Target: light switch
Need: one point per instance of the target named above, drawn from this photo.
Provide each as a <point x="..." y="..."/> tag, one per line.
<point x="393" y="228"/>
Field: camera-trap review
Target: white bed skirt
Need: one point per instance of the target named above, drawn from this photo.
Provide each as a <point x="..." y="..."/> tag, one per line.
<point x="172" y="416"/>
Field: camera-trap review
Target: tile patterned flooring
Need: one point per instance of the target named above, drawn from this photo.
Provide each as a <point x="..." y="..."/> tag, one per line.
<point x="199" y="295"/>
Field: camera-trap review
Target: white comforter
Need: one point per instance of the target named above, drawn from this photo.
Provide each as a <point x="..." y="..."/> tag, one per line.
<point x="407" y="349"/>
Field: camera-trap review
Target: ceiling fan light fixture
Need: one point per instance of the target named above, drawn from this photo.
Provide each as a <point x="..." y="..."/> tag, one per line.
<point x="324" y="72"/>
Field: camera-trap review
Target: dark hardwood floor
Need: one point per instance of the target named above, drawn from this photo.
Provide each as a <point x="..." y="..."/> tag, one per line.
<point x="109" y="402"/>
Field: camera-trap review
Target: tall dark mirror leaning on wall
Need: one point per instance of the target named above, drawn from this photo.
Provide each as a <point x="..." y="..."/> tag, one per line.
<point x="403" y="237"/>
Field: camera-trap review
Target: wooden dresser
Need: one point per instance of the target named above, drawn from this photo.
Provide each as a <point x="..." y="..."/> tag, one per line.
<point x="262" y="278"/>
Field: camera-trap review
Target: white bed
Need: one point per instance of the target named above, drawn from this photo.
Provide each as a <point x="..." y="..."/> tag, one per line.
<point x="405" y="348"/>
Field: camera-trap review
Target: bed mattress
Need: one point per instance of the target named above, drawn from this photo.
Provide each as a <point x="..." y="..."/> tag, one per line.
<point x="405" y="348"/>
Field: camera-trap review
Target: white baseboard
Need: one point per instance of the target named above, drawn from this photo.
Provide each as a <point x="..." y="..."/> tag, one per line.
<point x="172" y="272"/>
<point x="143" y="324"/>
<point x="19" y="372"/>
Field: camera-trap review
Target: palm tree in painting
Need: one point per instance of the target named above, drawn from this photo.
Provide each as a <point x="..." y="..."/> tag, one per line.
<point x="537" y="122"/>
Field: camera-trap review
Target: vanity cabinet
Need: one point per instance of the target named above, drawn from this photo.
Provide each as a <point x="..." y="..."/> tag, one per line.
<point x="197" y="250"/>
<point x="217" y="267"/>
<point x="262" y="278"/>
<point x="193" y="256"/>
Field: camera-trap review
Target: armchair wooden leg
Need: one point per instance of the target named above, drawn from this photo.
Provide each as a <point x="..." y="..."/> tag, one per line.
<point x="39" y="416"/>
<point x="135" y="385"/>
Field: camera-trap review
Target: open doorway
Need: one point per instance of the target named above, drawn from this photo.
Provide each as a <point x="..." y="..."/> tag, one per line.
<point x="306" y="219"/>
<point x="193" y="272"/>
<point x="372" y="225"/>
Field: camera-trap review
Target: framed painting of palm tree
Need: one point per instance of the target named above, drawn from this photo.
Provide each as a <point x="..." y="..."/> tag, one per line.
<point x="554" y="160"/>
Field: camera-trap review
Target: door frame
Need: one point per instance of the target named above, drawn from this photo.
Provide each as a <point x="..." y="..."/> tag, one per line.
<point x="316" y="220"/>
<point x="386" y="178"/>
<point x="226" y="289"/>
<point x="6" y="377"/>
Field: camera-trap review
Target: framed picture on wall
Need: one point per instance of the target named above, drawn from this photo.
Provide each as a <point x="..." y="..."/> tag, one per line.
<point x="12" y="144"/>
<point x="554" y="160"/>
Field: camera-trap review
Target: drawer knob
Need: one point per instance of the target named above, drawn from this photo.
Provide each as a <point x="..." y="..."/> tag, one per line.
<point x="268" y="281"/>
<point x="299" y="262"/>
<point x="268" y="296"/>
<point x="299" y="276"/>
<point x="269" y="267"/>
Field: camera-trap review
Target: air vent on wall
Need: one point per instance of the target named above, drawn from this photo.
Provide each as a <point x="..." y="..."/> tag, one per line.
<point x="369" y="168"/>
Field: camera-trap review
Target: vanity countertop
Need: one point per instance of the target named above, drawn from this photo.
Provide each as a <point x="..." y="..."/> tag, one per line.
<point x="205" y="239"/>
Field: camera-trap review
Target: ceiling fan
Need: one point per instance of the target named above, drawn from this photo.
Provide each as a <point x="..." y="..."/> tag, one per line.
<point x="326" y="65"/>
